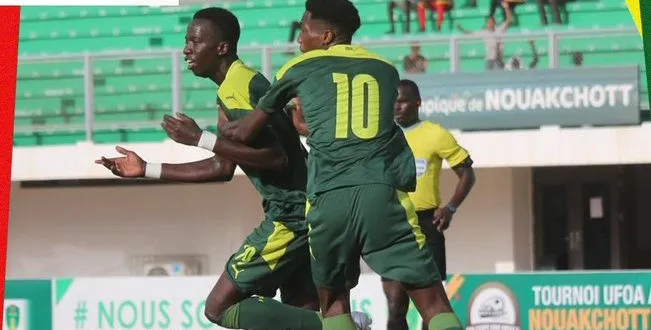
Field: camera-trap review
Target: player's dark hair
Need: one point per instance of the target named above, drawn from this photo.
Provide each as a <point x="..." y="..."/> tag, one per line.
<point x="341" y="14"/>
<point x="411" y="85"/>
<point x="225" y="22"/>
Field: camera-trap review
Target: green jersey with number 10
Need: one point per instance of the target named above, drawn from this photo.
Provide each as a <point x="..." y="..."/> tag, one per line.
<point x="347" y="95"/>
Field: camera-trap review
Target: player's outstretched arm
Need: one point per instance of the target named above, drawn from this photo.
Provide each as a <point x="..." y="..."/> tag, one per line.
<point x="131" y="165"/>
<point x="185" y="130"/>
<point x="212" y="169"/>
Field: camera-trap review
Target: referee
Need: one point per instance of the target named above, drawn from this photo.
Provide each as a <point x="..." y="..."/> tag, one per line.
<point x="431" y="143"/>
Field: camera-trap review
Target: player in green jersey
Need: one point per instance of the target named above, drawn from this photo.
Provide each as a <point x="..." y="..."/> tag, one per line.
<point x="359" y="167"/>
<point x="275" y="255"/>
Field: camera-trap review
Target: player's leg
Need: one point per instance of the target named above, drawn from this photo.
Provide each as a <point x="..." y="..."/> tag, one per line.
<point x="435" y="242"/>
<point x="392" y="5"/>
<point x="253" y="270"/>
<point x="440" y="15"/>
<point x="396" y="248"/>
<point x="335" y="254"/>
<point x="398" y="304"/>
<point x="299" y="290"/>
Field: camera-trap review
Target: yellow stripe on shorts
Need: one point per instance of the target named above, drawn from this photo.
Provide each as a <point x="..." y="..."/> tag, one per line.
<point x="277" y="244"/>
<point x="412" y="217"/>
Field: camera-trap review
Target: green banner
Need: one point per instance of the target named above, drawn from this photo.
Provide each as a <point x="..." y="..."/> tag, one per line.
<point x="645" y="19"/>
<point x="553" y="301"/>
<point x="28" y="305"/>
<point x="531" y="98"/>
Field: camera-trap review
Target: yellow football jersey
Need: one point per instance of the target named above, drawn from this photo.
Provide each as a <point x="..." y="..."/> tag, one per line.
<point x="431" y="143"/>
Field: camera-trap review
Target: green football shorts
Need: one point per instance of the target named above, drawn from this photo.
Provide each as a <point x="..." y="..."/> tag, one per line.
<point x="274" y="256"/>
<point x="376" y="222"/>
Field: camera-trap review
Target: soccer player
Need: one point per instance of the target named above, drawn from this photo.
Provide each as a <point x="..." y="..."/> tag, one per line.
<point x="431" y="143"/>
<point x="360" y="167"/>
<point x="276" y="254"/>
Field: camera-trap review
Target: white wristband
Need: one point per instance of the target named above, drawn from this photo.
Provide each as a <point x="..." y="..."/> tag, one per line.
<point x="207" y="141"/>
<point x="153" y="170"/>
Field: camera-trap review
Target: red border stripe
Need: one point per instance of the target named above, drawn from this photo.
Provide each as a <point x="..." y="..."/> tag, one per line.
<point x="9" y="27"/>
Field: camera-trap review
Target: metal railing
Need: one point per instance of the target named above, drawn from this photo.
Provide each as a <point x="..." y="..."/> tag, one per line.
<point x="454" y="56"/>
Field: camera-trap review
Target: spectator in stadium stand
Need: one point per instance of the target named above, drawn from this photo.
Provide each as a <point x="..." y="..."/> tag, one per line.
<point x="415" y="62"/>
<point x="407" y="6"/>
<point x="442" y="7"/>
<point x="493" y="56"/>
<point x="515" y="63"/>
<point x="557" y="7"/>
<point x="510" y="4"/>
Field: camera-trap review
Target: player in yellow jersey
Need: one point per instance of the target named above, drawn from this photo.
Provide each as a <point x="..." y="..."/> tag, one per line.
<point x="431" y="143"/>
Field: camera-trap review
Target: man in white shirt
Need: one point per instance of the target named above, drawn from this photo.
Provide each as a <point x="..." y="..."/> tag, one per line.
<point x="492" y="39"/>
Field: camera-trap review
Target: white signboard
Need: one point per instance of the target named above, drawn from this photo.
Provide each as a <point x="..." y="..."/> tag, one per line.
<point x="175" y="303"/>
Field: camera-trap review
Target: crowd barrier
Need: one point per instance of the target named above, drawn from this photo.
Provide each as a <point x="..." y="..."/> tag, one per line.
<point x="617" y="300"/>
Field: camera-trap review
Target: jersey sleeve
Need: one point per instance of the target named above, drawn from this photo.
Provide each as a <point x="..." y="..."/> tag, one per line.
<point x="448" y="148"/>
<point x="258" y="86"/>
<point x="281" y="91"/>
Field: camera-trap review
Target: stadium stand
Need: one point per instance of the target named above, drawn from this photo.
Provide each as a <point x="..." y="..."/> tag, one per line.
<point x="132" y="94"/>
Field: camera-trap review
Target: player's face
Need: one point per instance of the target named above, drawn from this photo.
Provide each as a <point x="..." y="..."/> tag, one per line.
<point x="203" y="48"/>
<point x="405" y="110"/>
<point x="314" y="34"/>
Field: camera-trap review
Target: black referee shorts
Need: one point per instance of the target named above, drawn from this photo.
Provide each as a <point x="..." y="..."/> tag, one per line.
<point x="435" y="240"/>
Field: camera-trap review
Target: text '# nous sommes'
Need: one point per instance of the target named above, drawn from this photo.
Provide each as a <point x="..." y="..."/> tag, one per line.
<point x="534" y="98"/>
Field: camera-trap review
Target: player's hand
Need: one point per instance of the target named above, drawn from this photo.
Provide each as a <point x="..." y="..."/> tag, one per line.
<point x="129" y="166"/>
<point x="299" y="119"/>
<point x="228" y="129"/>
<point x="442" y="218"/>
<point x="182" y="129"/>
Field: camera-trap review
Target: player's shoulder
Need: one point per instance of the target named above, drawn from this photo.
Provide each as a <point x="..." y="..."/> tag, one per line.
<point x="338" y="52"/>
<point x="240" y="76"/>
<point x="434" y="128"/>
<point x="259" y="80"/>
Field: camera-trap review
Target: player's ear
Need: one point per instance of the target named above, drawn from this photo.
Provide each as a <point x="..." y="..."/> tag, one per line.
<point x="328" y="37"/>
<point x="222" y="48"/>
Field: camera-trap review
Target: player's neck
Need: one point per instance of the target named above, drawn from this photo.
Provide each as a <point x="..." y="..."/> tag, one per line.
<point x="220" y="75"/>
<point x="410" y="123"/>
<point x="341" y="41"/>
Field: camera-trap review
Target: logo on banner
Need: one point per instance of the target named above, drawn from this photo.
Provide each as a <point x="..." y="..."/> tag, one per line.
<point x="15" y="315"/>
<point x="493" y="306"/>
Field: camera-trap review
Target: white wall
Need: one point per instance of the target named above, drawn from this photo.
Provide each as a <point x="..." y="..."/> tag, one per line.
<point x="548" y="146"/>
<point x="94" y="231"/>
<point x="494" y="223"/>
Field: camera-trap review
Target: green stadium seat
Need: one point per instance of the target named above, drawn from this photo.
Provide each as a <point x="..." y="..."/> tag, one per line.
<point x="132" y="95"/>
